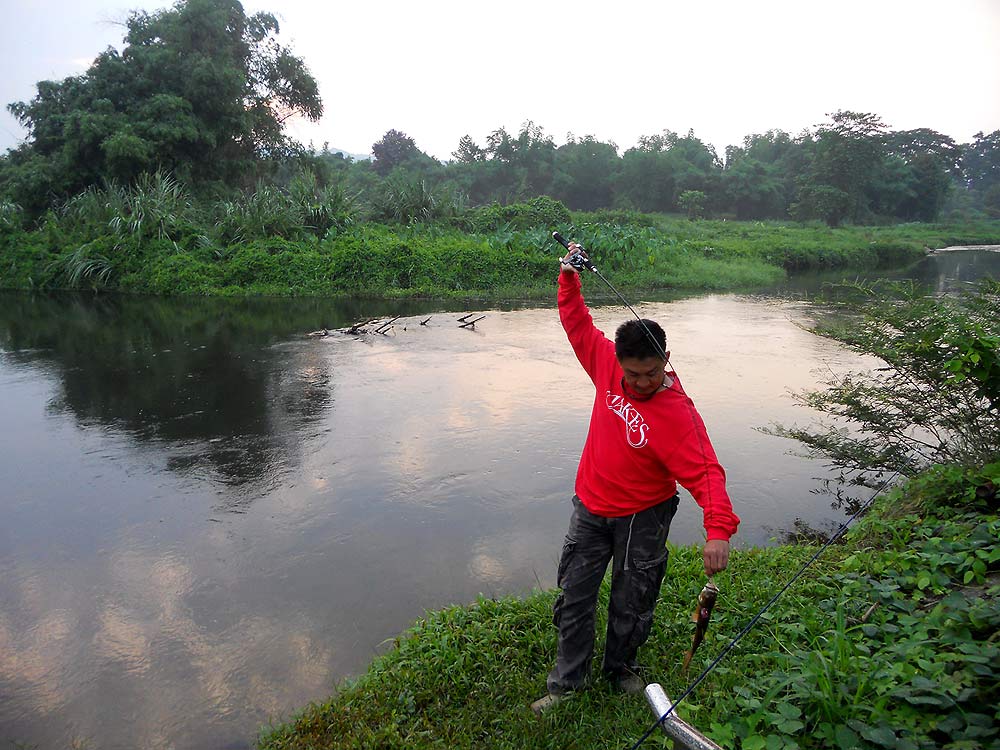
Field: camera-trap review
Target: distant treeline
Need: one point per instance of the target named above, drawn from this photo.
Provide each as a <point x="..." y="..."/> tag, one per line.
<point x="201" y="91"/>
<point x="851" y="169"/>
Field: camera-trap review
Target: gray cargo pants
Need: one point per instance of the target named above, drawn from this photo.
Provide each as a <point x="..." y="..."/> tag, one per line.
<point x="636" y="546"/>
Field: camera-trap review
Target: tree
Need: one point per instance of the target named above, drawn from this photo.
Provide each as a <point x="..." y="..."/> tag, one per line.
<point x="752" y="190"/>
<point x="911" y="145"/>
<point x="516" y="167"/>
<point x="201" y="89"/>
<point x="468" y="151"/>
<point x="696" y="164"/>
<point x="847" y="154"/>
<point x="759" y="180"/>
<point x="825" y="202"/>
<point x="394" y="149"/>
<point x="585" y="172"/>
<point x="981" y="170"/>
<point x="932" y="161"/>
<point x="692" y="202"/>
<point x="646" y="181"/>
<point x="655" y="172"/>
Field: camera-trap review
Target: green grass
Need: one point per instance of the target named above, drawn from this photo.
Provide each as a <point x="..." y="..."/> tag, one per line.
<point x="889" y="641"/>
<point x="90" y="245"/>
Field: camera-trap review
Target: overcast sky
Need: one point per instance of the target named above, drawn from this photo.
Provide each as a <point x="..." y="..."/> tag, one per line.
<point x="724" y="68"/>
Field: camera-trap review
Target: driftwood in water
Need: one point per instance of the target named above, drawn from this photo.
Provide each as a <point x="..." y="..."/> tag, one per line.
<point x="359" y="328"/>
<point x="471" y="323"/>
<point x="386" y="326"/>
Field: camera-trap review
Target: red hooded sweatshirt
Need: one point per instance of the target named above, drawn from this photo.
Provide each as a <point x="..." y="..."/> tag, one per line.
<point x="637" y="451"/>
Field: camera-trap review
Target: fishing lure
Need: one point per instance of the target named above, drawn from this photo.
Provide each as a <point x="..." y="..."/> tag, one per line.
<point x="701" y="616"/>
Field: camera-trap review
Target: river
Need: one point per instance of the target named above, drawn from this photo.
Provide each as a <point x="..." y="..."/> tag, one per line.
<point x="210" y="518"/>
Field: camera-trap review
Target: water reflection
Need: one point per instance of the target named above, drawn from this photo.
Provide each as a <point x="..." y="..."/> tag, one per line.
<point x="940" y="272"/>
<point x="206" y="381"/>
<point x="376" y="478"/>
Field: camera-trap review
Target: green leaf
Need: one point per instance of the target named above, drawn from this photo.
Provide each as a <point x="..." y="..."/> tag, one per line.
<point x="881" y="735"/>
<point x="846" y="739"/>
<point x="789" y="711"/>
<point x="790" y="726"/>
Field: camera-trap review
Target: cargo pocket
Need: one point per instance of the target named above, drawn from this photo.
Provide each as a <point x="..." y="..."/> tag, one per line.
<point x="557" y="609"/>
<point x="647" y="575"/>
<point x="564" y="559"/>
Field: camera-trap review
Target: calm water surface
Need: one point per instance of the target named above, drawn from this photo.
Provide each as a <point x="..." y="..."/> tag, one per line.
<point x="208" y="518"/>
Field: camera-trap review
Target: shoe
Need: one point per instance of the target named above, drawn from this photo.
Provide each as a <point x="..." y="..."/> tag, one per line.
<point x="630" y="683"/>
<point x="546" y="702"/>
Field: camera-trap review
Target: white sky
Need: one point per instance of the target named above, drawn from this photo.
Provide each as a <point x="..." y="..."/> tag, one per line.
<point x="440" y="69"/>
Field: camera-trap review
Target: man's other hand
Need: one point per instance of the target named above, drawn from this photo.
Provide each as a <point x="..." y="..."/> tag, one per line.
<point x="716" y="554"/>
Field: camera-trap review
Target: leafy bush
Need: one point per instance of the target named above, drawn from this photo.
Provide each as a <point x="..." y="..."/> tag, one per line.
<point x="538" y="212"/>
<point x="155" y="206"/>
<point x="404" y="199"/>
<point x="11" y="215"/>
<point x="264" y="213"/>
<point x="935" y="400"/>
<point x="617" y="216"/>
<point x="86" y="263"/>
<point x="321" y="209"/>
<point x="921" y="674"/>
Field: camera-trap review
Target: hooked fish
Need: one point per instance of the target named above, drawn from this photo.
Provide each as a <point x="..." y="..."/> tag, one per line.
<point x="701" y="616"/>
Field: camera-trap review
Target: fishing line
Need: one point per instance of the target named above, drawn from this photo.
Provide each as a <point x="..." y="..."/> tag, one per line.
<point x="760" y="614"/>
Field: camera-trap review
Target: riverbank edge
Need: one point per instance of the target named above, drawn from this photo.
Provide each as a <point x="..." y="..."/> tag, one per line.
<point x="960" y="248"/>
<point x="441" y="262"/>
<point x="850" y="656"/>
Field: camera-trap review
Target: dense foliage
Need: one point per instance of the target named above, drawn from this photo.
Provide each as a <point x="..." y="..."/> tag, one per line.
<point x="200" y="90"/>
<point x="164" y="169"/>
<point x="934" y="399"/>
<point x="853" y="169"/>
<point x="313" y="239"/>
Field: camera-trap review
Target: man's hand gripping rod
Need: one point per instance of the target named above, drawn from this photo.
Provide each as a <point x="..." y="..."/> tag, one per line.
<point x="580" y="260"/>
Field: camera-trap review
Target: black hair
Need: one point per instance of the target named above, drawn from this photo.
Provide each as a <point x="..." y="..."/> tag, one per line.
<point x="631" y="340"/>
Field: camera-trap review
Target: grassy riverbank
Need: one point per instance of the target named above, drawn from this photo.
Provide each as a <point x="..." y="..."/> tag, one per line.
<point x="889" y="641"/>
<point x="154" y="242"/>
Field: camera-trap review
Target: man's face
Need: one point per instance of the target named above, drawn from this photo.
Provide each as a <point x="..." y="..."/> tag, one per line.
<point x="643" y="376"/>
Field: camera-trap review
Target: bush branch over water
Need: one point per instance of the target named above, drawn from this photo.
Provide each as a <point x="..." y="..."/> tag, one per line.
<point x="935" y="398"/>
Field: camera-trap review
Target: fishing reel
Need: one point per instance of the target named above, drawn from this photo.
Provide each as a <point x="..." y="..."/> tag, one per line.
<point x="578" y="259"/>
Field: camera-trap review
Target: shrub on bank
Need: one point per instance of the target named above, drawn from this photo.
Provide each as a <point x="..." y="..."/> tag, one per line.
<point x="542" y="211"/>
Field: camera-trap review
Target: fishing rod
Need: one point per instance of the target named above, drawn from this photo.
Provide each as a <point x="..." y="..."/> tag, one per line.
<point x="580" y="260"/>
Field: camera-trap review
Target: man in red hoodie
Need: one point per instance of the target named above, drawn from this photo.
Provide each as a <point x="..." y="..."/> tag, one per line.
<point x="645" y="436"/>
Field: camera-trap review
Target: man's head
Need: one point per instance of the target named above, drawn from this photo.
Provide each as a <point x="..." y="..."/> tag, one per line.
<point x="632" y="341"/>
<point x="640" y="360"/>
